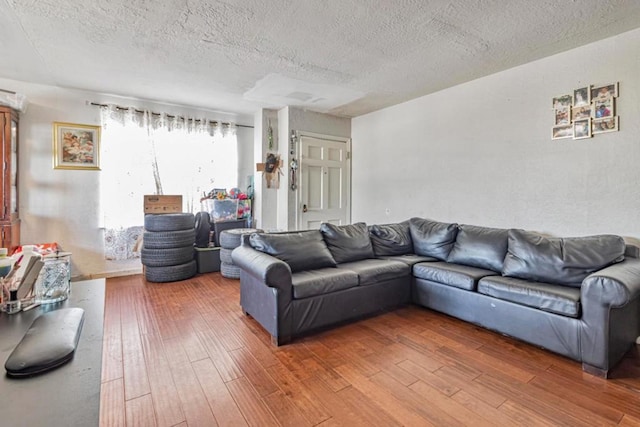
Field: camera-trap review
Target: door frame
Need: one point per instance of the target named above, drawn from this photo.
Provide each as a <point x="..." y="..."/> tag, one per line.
<point x="298" y="193"/>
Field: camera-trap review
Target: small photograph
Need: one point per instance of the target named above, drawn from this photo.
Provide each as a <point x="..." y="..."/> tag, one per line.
<point x="603" y="108"/>
<point x="562" y="101"/>
<point x="581" y="96"/>
<point x="604" y="125"/>
<point x="562" y="116"/>
<point x="601" y="93"/>
<point x="582" y="129"/>
<point x="581" y="113"/>
<point x="561" y="132"/>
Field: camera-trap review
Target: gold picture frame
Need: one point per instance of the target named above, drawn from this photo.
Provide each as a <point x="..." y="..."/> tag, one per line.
<point x="76" y="146"/>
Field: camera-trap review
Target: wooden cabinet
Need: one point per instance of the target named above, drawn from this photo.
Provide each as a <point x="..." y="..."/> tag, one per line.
<point x="9" y="217"/>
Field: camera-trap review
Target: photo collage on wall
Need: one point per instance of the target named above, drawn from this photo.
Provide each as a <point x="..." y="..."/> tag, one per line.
<point x="589" y="111"/>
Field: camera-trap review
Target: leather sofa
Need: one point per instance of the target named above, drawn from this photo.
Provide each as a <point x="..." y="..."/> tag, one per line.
<point x="579" y="297"/>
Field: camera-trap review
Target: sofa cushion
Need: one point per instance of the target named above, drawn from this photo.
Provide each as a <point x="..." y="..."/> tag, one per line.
<point x="481" y="247"/>
<point x="304" y="250"/>
<point x="562" y="261"/>
<point x="391" y="239"/>
<point x="372" y="271"/>
<point x="557" y="299"/>
<point x="460" y="276"/>
<point x="322" y="281"/>
<point x="432" y="238"/>
<point x="347" y="242"/>
<point x="409" y="259"/>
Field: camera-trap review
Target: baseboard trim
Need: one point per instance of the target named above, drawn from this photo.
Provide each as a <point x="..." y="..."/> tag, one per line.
<point x="107" y="275"/>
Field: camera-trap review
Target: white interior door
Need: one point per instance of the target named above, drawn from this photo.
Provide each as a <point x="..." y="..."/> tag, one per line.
<point x="325" y="181"/>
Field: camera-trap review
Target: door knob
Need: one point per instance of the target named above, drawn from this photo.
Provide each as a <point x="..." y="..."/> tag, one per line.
<point x="304" y="208"/>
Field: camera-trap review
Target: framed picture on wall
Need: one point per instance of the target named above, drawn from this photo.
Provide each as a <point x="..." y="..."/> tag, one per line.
<point x="581" y="112"/>
<point x="604" y="92"/>
<point x="588" y="111"/>
<point x="609" y="124"/>
<point x="582" y="129"/>
<point x="562" y="116"/>
<point x="76" y="146"/>
<point x="581" y="96"/>
<point x="562" y="101"/>
<point x="603" y="109"/>
<point x="562" y="132"/>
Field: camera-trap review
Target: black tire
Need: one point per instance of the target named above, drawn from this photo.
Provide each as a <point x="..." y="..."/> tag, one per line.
<point x="169" y="222"/>
<point x="231" y="239"/>
<point x="166" y="257"/>
<point x="225" y="255"/>
<point x="229" y="271"/>
<point x="168" y="239"/>
<point x="171" y="273"/>
<point x="203" y="229"/>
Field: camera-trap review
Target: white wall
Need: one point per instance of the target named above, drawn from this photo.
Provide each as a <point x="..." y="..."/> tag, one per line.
<point x="62" y="205"/>
<point x="481" y="153"/>
<point x="265" y="204"/>
<point x="246" y="165"/>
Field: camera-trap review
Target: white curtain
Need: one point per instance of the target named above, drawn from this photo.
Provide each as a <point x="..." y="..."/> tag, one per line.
<point x="147" y="153"/>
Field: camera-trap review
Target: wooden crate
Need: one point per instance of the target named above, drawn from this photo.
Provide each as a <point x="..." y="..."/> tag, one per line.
<point x="162" y="204"/>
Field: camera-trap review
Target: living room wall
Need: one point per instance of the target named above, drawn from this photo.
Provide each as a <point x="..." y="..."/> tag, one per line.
<point x="481" y="152"/>
<point x="62" y="205"/>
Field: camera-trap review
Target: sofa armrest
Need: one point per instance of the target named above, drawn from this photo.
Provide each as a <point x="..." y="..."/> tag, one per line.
<point x="613" y="286"/>
<point x="610" y="323"/>
<point x="270" y="270"/>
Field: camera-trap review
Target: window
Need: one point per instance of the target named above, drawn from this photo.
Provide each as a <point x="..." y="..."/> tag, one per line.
<point x="144" y="153"/>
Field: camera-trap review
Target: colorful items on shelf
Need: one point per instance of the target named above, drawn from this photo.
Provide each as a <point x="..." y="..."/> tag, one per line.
<point x="224" y="205"/>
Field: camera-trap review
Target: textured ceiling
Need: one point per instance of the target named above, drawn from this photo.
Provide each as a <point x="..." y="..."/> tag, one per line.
<point x="337" y="56"/>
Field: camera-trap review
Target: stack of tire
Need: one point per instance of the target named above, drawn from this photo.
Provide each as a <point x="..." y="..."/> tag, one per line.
<point x="167" y="247"/>
<point x="229" y="240"/>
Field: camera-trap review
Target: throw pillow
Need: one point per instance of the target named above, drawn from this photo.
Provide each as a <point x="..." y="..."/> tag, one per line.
<point x="563" y="261"/>
<point x="303" y="250"/>
<point x="481" y="247"/>
<point x="347" y="243"/>
<point x="391" y="239"/>
<point x="432" y="238"/>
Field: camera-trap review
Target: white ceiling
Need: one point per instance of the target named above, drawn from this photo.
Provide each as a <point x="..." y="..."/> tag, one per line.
<point x="343" y="57"/>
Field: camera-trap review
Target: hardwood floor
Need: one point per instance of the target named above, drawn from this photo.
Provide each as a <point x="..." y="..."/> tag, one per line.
<point x="183" y="354"/>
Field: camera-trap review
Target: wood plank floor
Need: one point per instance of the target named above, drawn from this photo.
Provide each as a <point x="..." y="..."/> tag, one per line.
<point x="183" y="354"/>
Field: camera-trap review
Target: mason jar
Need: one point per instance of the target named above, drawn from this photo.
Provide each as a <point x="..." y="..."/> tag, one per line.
<point x="54" y="280"/>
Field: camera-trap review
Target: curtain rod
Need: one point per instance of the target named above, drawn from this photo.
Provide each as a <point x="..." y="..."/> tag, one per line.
<point x="118" y="107"/>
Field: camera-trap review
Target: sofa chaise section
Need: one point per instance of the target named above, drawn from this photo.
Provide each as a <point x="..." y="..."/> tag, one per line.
<point x="578" y="297"/>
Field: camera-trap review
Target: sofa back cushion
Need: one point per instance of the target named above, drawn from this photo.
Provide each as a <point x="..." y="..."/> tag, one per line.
<point x="481" y="247"/>
<point x="304" y="250"/>
<point x="432" y="238"/>
<point x="391" y="239"/>
<point x="347" y="243"/>
<point x="563" y="261"/>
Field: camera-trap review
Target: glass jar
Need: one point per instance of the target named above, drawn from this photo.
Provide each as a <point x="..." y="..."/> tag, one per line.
<point x="54" y="281"/>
